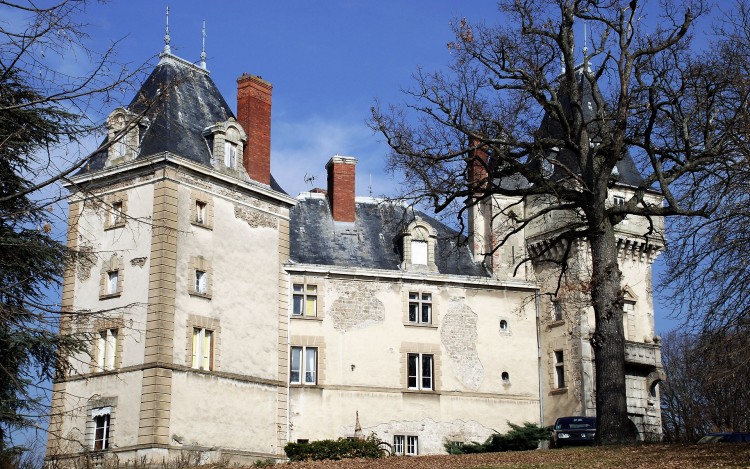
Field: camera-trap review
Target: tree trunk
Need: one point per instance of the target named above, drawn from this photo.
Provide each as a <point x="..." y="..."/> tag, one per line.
<point x="612" y="423"/>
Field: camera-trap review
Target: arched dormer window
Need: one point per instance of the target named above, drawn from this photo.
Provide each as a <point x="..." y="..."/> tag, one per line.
<point x="419" y="246"/>
<point x="124" y="133"/>
<point x="226" y="140"/>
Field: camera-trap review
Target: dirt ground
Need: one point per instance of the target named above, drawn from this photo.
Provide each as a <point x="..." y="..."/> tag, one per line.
<point x="642" y="456"/>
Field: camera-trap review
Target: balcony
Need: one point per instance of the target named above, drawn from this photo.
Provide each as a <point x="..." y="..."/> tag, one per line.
<point x="638" y="353"/>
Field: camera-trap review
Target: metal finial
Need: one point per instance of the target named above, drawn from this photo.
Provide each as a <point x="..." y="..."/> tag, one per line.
<point x="586" y="65"/>
<point x="203" y="49"/>
<point x="167" y="49"/>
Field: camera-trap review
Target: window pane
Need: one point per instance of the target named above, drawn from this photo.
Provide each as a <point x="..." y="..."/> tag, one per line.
<point x="398" y="444"/>
<point x="312" y="306"/>
<point x="295" y="370"/>
<point x="412" y="365"/>
<point x="101" y="348"/>
<point x="197" y="343"/>
<point x="419" y="252"/>
<point x="426" y="371"/>
<point x="298" y="302"/>
<point x="207" y="350"/>
<point x="411" y="445"/>
<point x="112" y="282"/>
<point x="312" y="289"/>
<point x="426" y="313"/>
<point x="426" y="296"/>
<point x="413" y="296"/>
<point x="111" y="346"/>
<point x="413" y="308"/>
<point x="310" y="365"/>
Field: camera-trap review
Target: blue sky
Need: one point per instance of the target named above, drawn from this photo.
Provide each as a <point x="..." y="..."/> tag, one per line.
<point x="328" y="62"/>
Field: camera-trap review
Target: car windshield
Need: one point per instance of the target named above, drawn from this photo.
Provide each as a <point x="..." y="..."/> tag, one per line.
<point x="576" y="423"/>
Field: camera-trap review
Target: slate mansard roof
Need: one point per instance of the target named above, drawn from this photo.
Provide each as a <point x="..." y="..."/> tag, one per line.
<point x="626" y="169"/>
<point x="373" y="241"/>
<point x="184" y="101"/>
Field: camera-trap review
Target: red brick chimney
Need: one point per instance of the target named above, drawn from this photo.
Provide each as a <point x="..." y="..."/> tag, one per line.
<point x="478" y="160"/>
<point x="254" y="115"/>
<point x="341" y="187"/>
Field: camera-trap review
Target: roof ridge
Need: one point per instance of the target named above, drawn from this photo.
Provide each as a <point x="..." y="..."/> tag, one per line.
<point x="166" y="57"/>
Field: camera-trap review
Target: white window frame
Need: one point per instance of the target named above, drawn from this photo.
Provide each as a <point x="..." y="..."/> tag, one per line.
<point x="102" y="423"/>
<point x="420" y="307"/>
<point x="398" y="445"/>
<point x="304" y="300"/>
<point x="230" y="154"/>
<point x="412" y="445"/>
<point x="420" y="371"/>
<point x="203" y="348"/>
<point x="107" y="349"/>
<point x="559" y="369"/>
<point x="618" y="200"/>
<point x="303" y="365"/>
<point x="113" y="280"/>
<point x="201" y="281"/>
<point x="419" y="250"/>
<point x="201" y="211"/>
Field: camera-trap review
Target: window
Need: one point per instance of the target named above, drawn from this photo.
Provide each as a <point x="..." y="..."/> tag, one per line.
<point x="201" y="282"/>
<point x="106" y="349"/>
<point x="420" y="308"/>
<point x="505" y="377"/>
<point x="557" y="311"/>
<point x="230" y="154"/>
<point x="559" y="369"/>
<point x="113" y="278"/>
<point x="101" y="428"/>
<point x="412" y="445"/>
<point x="304" y="365"/>
<point x="419" y="371"/>
<point x="305" y="300"/>
<point x="118" y="217"/>
<point x="200" y="212"/>
<point x="419" y="252"/>
<point x="503" y="325"/>
<point x="202" y="348"/>
<point x="398" y="445"/>
<point x="628" y="307"/>
<point x="618" y="200"/>
<point x="121" y="147"/>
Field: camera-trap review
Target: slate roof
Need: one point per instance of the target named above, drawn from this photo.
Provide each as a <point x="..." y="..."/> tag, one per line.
<point x="176" y="122"/>
<point x="373" y="241"/>
<point x="626" y="169"/>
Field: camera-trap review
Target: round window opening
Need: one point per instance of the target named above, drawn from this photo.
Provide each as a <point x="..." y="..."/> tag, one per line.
<point x="505" y="377"/>
<point x="504" y="325"/>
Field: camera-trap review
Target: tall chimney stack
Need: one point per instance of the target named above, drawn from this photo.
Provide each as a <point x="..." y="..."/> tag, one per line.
<point x="341" y="178"/>
<point x="254" y="115"/>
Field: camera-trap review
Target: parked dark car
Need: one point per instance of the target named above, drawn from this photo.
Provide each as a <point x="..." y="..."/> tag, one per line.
<point x="726" y="437"/>
<point x="570" y="431"/>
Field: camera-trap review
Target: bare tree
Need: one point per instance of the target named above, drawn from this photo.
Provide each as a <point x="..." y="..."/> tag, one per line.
<point x="651" y="100"/>
<point x="708" y="385"/>
<point x="46" y="119"/>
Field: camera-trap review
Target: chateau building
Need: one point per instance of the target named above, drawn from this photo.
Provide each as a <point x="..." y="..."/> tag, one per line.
<point x="239" y="318"/>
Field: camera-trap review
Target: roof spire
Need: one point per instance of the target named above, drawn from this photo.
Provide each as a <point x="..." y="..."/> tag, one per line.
<point x="203" y="49"/>
<point x="167" y="49"/>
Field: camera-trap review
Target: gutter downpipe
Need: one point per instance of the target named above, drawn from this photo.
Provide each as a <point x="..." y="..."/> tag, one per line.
<point x="539" y="357"/>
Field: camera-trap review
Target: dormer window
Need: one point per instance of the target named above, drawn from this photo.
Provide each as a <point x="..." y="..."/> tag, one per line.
<point x="226" y="141"/>
<point x="419" y="240"/>
<point x="123" y="135"/>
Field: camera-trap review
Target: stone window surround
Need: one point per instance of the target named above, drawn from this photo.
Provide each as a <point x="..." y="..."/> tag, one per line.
<point x="130" y="141"/>
<point x="306" y="280"/>
<point x="200" y="196"/>
<point x="222" y="132"/>
<point x="111" y="220"/>
<point x="197" y="263"/>
<point x="558" y="346"/>
<point x="420" y="348"/>
<point x="102" y="325"/>
<point x="419" y="230"/>
<point x="203" y="322"/>
<point x="434" y="292"/>
<point x="94" y="404"/>
<point x="113" y="264"/>
<point x="309" y="341"/>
